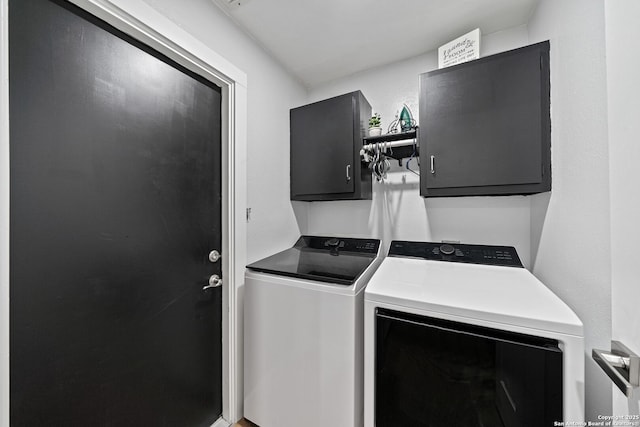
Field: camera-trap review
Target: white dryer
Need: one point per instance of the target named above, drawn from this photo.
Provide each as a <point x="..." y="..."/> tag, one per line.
<point x="463" y="335"/>
<point x="304" y="333"/>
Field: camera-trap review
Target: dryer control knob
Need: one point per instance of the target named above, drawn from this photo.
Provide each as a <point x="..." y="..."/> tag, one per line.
<point x="447" y="249"/>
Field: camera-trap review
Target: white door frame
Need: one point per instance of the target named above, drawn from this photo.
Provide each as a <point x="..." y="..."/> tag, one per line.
<point x="139" y="20"/>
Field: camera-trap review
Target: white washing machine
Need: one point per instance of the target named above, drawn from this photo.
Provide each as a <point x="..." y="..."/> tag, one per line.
<point x="463" y="335"/>
<point x="303" y="329"/>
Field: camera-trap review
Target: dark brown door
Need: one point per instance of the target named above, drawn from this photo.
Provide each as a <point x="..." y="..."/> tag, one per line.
<point x="115" y="205"/>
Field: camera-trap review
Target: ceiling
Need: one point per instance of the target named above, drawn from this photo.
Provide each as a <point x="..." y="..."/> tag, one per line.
<point x="321" y="40"/>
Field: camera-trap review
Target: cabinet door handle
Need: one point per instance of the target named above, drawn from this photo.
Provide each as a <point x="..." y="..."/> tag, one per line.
<point x="433" y="164"/>
<point x="348" y="172"/>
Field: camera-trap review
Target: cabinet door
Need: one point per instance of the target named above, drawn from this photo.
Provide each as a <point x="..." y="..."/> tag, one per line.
<point x="322" y="150"/>
<point x="484" y="125"/>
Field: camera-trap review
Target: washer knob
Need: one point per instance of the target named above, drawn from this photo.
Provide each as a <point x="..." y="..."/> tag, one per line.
<point x="332" y="242"/>
<point x="447" y="249"/>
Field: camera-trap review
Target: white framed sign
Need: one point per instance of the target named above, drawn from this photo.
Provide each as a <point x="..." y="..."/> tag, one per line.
<point x="464" y="48"/>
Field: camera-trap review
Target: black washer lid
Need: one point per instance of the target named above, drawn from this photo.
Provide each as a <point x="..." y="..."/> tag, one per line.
<point x="338" y="260"/>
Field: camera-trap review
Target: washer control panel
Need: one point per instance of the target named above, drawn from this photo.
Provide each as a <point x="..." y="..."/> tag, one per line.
<point x="457" y="252"/>
<point x="336" y="244"/>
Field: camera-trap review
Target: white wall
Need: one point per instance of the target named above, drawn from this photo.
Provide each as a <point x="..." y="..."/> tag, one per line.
<point x="272" y="91"/>
<point x="572" y="227"/>
<point x="397" y="211"/>
<point x="623" y="88"/>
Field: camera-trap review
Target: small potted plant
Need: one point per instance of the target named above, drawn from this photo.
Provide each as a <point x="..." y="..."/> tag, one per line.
<point x="374" y="125"/>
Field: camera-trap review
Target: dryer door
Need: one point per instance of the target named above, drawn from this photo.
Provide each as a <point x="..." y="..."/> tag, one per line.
<point x="437" y="373"/>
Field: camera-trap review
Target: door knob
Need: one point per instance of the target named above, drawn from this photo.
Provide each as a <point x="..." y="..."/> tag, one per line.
<point x="214" y="256"/>
<point x="214" y="282"/>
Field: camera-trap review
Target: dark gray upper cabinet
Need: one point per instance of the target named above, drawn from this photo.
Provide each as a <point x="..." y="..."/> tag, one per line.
<point x="326" y="138"/>
<point x="485" y="127"/>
